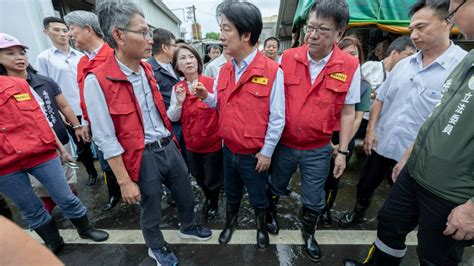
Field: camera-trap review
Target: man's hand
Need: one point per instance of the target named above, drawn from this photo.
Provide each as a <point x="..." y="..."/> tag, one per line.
<point x="460" y="223"/>
<point x="130" y="192"/>
<point x="334" y="147"/>
<point x="370" y="141"/>
<point x="65" y="156"/>
<point x="180" y="95"/>
<point x="263" y="163"/>
<point x="79" y="132"/>
<point x="86" y="133"/>
<point x="200" y="91"/>
<point x="339" y="165"/>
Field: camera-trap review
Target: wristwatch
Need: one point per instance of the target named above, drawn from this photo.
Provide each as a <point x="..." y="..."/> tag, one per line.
<point x="343" y="152"/>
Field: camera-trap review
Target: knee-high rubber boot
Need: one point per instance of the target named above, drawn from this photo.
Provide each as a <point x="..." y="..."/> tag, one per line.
<point x="5" y="209"/>
<point x="375" y="257"/>
<point x="309" y="220"/>
<point x="230" y="224"/>
<point x="350" y="218"/>
<point x="114" y="190"/>
<point x="326" y="218"/>
<point x="87" y="231"/>
<point x="262" y="235"/>
<point x="272" y="222"/>
<point x="50" y="234"/>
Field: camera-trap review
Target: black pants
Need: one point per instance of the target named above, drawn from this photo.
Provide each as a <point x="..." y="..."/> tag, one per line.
<point x="164" y="166"/>
<point x="409" y="205"/>
<point x="208" y="170"/>
<point x="375" y="169"/>
<point x="84" y="151"/>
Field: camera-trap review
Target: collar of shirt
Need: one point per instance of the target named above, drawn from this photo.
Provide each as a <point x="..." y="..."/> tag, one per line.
<point x="168" y="67"/>
<point x="126" y="70"/>
<point x="71" y="51"/>
<point x="322" y="62"/>
<point x="245" y="63"/>
<point x="93" y="54"/>
<point x="442" y="60"/>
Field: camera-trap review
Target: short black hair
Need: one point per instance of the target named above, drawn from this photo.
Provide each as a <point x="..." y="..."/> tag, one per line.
<point x="338" y="10"/>
<point x="399" y="45"/>
<point x="441" y="7"/>
<point x="272" y="39"/>
<point x="160" y="37"/>
<point x="245" y="16"/>
<point x="214" y="46"/>
<point x="48" y="20"/>
<point x="180" y="41"/>
<point x="193" y="51"/>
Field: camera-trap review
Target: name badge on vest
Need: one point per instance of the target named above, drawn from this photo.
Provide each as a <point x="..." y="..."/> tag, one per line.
<point x="339" y="76"/>
<point x="22" y="97"/>
<point x="260" y="80"/>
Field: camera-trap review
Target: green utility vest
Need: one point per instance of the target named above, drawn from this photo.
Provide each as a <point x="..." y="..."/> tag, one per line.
<point x="442" y="160"/>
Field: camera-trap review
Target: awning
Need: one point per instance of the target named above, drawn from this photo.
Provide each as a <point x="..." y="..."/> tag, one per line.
<point x="387" y="15"/>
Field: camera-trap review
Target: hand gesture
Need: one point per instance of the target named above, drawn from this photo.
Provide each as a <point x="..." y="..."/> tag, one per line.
<point x="130" y="192"/>
<point x="180" y="95"/>
<point x="460" y="223"/>
<point x="200" y="91"/>
<point x="339" y="165"/>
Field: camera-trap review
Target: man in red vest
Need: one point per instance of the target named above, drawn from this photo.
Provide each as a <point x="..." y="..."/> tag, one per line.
<point x="251" y="102"/>
<point x="322" y="84"/>
<point x="85" y="31"/>
<point x="130" y="126"/>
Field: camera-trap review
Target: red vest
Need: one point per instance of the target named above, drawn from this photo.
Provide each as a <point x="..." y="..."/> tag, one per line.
<point x="244" y="107"/>
<point x="125" y="111"/>
<point x="84" y="66"/>
<point x="313" y="111"/>
<point x="26" y="139"/>
<point x="200" y="122"/>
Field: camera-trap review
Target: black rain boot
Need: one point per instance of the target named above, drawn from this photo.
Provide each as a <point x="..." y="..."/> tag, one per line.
<point x="114" y="190"/>
<point x="309" y="220"/>
<point x="5" y="209"/>
<point x="326" y="219"/>
<point x="230" y="224"/>
<point x="353" y="217"/>
<point x="92" y="180"/>
<point x="50" y="234"/>
<point x="86" y="231"/>
<point x="272" y="222"/>
<point x="262" y="235"/>
<point x="213" y="205"/>
<point x="375" y="257"/>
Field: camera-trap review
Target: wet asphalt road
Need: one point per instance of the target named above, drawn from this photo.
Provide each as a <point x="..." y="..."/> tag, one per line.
<point x="124" y="217"/>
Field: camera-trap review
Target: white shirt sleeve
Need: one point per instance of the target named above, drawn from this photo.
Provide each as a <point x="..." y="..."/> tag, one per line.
<point x="211" y="99"/>
<point x="174" y="111"/>
<point x="102" y="127"/>
<point x="353" y="94"/>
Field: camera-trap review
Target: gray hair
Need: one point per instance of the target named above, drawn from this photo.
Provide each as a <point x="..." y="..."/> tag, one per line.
<point x="84" y="19"/>
<point x="115" y="14"/>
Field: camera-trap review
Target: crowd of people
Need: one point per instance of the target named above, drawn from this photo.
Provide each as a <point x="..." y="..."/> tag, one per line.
<point x="244" y="122"/>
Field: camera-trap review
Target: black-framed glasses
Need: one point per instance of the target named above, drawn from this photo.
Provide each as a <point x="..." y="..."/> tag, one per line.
<point x="147" y="35"/>
<point x="450" y="17"/>
<point x="321" y="30"/>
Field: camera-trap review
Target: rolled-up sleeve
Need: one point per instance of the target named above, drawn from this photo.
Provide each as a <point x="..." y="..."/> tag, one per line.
<point x="103" y="130"/>
<point x="211" y="99"/>
<point x="276" y="121"/>
<point x="174" y="112"/>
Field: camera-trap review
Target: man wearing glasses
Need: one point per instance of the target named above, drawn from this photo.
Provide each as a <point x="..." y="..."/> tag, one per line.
<point x="434" y="186"/>
<point x="130" y="126"/>
<point x="322" y="84"/>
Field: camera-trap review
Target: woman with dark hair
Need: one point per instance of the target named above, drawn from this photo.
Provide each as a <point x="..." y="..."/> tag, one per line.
<point x="28" y="146"/>
<point x="350" y="45"/>
<point x="200" y="126"/>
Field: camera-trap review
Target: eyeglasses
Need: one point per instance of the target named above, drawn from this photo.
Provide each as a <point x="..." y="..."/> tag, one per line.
<point x="320" y="30"/>
<point x="450" y="17"/>
<point x="172" y="44"/>
<point x="147" y="35"/>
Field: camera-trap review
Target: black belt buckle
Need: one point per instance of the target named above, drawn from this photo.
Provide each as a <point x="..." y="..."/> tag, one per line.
<point x="160" y="144"/>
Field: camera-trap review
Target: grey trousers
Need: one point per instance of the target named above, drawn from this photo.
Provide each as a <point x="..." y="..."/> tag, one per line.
<point x="164" y="166"/>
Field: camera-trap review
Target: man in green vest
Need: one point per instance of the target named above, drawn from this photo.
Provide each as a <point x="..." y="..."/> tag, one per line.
<point x="434" y="187"/>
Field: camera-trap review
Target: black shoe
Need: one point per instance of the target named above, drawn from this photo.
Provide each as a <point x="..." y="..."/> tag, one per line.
<point x="86" y="231"/>
<point x="113" y="200"/>
<point x="262" y="234"/>
<point x="230" y="225"/>
<point x="375" y="257"/>
<point x="92" y="180"/>
<point x="50" y="234"/>
<point x="272" y="222"/>
<point x="326" y="219"/>
<point x="351" y="218"/>
<point x="309" y="220"/>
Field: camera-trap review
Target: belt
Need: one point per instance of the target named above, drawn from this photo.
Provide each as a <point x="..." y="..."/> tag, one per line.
<point x="160" y="143"/>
